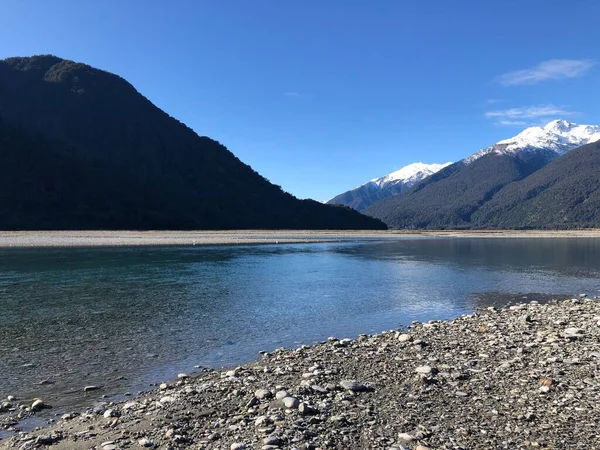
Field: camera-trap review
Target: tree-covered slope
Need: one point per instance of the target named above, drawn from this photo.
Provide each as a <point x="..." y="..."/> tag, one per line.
<point x="81" y="148"/>
<point x="363" y="196"/>
<point x="389" y="185"/>
<point x="563" y="194"/>
<point x="451" y="196"/>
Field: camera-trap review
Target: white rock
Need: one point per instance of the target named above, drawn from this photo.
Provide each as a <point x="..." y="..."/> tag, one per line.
<point x="263" y="394"/>
<point x="110" y="413"/>
<point x="405" y="437"/>
<point x="262" y="421"/>
<point x="281" y="394"/>
<point x="573" y="332"/>
<point x="37" y="405"/>
<point x="130" y="405"/>
<point x="146" y="442"/>
<point x="424" y="370"/>
<point x="290" y="402"/>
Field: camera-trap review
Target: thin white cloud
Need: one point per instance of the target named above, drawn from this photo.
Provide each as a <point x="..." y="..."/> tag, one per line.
<point x="527" y="115"/>
<point x="554" y="69"/>
<point x="511" y="123"/>
<point x="294" y="94"/>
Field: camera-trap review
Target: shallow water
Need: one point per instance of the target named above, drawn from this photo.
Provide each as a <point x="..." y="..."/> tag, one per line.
<point x="122" y="318"/>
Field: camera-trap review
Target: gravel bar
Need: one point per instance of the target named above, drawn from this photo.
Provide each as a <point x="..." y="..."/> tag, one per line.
<point x="98" y="238"/>
<point x="521" y="377"/>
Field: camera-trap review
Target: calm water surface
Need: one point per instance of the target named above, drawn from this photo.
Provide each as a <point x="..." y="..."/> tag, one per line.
<point x="123" y="318"/>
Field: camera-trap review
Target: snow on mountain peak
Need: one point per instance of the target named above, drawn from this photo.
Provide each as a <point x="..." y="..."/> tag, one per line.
<point x="559" y="136"/>
<point x="559" y="126"/>
<point x="410" y="174"/>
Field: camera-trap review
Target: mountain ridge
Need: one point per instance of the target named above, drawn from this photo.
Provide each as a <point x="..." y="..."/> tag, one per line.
<point x="452" y="197"/>
<point x="386" y="186"/>
<point x="83" y="120"/>
<point x="564" y="193"/>
<point x="558" y="136"/>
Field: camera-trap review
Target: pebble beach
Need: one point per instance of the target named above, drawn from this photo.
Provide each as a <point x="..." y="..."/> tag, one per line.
<point x="520" y="377"/>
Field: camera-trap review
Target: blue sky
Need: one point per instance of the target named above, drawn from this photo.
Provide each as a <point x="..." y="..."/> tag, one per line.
<point x="321" y="96"/>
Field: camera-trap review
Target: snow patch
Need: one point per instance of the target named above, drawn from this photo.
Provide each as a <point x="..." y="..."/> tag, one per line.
<point x="559" y="136"/>
<point x="409" y="175"/>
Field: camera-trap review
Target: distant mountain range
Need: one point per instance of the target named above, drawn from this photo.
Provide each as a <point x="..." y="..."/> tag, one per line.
<point x="82" y="149"/>
<point x="389" y="185"/>
<point x="533" y="180"/>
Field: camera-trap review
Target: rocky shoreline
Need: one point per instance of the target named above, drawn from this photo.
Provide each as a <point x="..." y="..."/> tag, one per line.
<point x="522" y="377"/>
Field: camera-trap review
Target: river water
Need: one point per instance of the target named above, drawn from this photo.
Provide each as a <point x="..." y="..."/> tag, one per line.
<point x="123" y="318"/>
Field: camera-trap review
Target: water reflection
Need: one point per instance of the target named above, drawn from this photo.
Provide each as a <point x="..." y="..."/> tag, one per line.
<point x="577" y="256"/>
<point x="75" y="317"/>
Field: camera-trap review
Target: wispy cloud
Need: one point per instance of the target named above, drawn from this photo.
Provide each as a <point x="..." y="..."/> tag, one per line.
<point x="294" y="94"/>
<point x="528" y="115"/>
<point x="554" y="69"/>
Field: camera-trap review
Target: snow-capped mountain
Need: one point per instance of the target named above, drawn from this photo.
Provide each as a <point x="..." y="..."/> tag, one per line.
<point x="409" y="175"/>
<point x="508" y="184"/>
<point x="558" y="136"/>
<point x="386" y="186"/>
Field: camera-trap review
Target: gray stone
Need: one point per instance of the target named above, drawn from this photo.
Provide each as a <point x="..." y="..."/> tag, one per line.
<point x="44" y="440"/>
<point x="98" y="409"/>
<point x="319" y="389"/>
<point x="272" y="440"/>
<point x="307" y="410"/>
<point x="353" y="385"/>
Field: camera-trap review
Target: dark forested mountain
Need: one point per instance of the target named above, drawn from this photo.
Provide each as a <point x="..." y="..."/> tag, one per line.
<point x="448" y="198"/>
<point x="389" y="185"/>
<point x="563" y="194"/>
<point x="479" y="190"/>
<point x="80" y="148"/>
